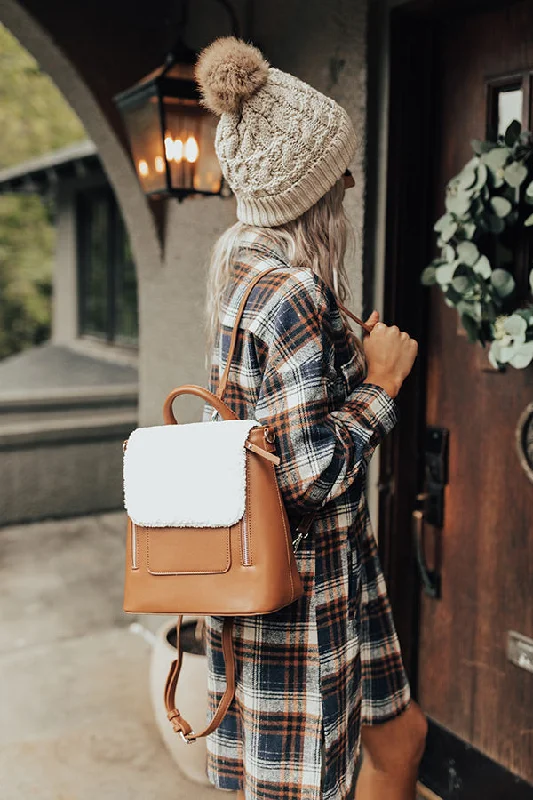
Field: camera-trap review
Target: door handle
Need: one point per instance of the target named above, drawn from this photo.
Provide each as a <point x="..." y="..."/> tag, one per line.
<point x="430" y="577"/>
<point x="430" y="506"/>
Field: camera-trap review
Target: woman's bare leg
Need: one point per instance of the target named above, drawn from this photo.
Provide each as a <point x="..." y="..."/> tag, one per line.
<point x="392" y="753"/>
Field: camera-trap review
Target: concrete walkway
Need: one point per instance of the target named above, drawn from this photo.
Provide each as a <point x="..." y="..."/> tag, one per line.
<point x="76" y="721"/>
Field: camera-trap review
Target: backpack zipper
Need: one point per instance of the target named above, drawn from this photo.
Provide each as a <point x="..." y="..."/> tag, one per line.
<point x="133" y="546"/>
<point x="245" y="539"/>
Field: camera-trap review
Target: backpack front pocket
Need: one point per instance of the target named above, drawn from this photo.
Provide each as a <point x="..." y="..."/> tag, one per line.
<point x="187" y="551"/>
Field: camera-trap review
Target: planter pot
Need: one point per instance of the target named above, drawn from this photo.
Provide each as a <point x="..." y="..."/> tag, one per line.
<point x="191" y="696"/>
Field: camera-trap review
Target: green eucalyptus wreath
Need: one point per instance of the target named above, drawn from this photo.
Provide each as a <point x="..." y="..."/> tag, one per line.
<point x="492" y="194"/>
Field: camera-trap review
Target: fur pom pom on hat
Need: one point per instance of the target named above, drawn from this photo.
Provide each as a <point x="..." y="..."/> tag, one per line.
<point x="229" y="72"/>
<point x="281" y="144"/>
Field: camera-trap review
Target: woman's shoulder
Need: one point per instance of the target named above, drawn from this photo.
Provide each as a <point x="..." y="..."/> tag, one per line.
<point x="288" y="297"/>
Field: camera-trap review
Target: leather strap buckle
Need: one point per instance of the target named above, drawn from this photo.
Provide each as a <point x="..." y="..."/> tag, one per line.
<point x="298" y="540"/>
<point x="270" y="436"/>
<point x="188" y="737"/>
<point x="302" y="530"/>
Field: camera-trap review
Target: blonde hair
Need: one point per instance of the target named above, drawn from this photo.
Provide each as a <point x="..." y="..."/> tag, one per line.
<point x="316" y="240"/>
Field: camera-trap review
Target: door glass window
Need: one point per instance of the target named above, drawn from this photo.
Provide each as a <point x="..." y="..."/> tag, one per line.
<point x="509" y="107"/>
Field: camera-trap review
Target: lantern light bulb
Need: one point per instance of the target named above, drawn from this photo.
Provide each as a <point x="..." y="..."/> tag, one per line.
<point x="178" y="150"/>
<point x="191" y="150"/>
<point x="169" y="147"/>
<point x="143" y="168"/>
<point x="159" y="164"/>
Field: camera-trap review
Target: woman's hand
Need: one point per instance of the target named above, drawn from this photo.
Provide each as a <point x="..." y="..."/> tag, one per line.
<point x="390" y="355"/>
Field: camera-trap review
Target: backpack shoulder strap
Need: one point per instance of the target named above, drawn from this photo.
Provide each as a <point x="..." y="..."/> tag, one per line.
<point x="233" y="341"/>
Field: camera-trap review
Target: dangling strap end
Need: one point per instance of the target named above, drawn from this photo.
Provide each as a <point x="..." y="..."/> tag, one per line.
<point x="181" y="726"/>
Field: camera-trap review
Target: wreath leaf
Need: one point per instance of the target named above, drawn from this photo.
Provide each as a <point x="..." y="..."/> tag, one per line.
<point x="502" y="281"/>
<point x="495" y="159"/>
<point x="522" y="356"/>
<point x="467" y="253"/>
<point x="445" y="273"/>
<point x="482" y="267"/>
<point x="515" y="174"/>
<point x="428" y="277"/>
<point x="512" y="134"/>
<point x="501" y="206"/>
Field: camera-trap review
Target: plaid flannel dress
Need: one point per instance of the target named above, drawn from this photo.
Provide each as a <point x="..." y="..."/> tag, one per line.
<point x="309" y="675"/>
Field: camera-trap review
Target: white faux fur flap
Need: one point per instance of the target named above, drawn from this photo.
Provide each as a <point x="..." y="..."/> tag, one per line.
<point x="187" y="475"/>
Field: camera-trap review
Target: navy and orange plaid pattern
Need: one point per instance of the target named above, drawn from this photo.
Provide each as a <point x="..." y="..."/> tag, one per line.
<point x="309" y="675"/>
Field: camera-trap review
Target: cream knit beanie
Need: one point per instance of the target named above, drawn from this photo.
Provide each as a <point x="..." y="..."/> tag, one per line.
<point x="281" y="144"/>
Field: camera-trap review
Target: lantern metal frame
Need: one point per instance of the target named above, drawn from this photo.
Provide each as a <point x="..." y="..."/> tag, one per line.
<point x="160" y="86"/>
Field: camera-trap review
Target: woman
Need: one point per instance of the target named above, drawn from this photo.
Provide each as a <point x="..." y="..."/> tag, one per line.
<point x="320" y="675"/>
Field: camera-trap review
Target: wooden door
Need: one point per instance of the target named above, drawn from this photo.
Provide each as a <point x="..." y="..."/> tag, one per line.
<point x="484" y="549"/>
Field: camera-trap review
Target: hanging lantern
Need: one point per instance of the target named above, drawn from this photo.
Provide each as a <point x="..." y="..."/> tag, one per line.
<point x="171" y="135"/>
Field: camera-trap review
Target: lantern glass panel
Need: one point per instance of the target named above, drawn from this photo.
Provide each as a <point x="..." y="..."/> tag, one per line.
<point x="208" y="174"/>
<point x="189" y="147"/>
<point x="144" y="128"/>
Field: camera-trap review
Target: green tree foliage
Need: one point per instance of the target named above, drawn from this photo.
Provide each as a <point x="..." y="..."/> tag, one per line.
<point x="26" y="246"/>
<point x="34" y="119"/>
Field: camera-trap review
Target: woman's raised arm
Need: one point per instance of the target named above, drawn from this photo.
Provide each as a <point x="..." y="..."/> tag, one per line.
<point x="322" y="451"/>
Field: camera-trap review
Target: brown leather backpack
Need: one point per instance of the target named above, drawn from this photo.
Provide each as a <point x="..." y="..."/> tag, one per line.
<point x="208" y="533"/>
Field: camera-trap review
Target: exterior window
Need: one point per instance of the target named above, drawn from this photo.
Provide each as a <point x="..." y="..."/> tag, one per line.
<point x="107" y="284"/>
